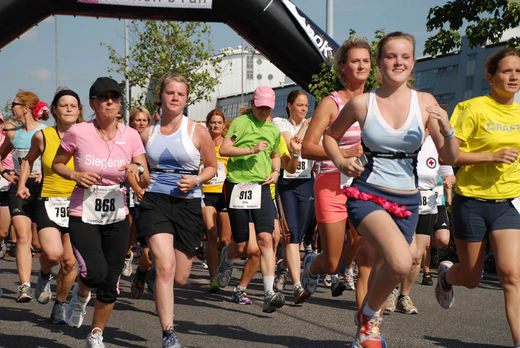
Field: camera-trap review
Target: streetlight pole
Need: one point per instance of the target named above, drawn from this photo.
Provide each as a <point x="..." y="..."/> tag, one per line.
<point x="330" y="15"/>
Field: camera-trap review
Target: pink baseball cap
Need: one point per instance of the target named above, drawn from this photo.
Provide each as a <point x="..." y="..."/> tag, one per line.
<point x="264" y="96"/>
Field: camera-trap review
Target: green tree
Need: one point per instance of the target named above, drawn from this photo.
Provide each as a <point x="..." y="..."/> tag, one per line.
<point x="484" y="19"/>
<point x="161" y="48"/>
<point x="327" y="80"/>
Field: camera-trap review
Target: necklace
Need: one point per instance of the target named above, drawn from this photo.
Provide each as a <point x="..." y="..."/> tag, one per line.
<point x="102" y="133"/>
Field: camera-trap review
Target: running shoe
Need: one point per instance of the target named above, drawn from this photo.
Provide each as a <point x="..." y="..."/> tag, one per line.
<point x="337" y="287"/>
<point x="127" y="267"/>
<point x="240" y="296"/>
<point x="299" y="294"/>
<point x="76" y="309"/>
<point x="272" y="301"/>
<point x="171" y="340"/>
<point x="204" y="264"/>
<point x="427" y="279"/>
<point x="327" y="280"/>
<point x="213" y="286"/>
<point x="369" y="332"/>
<point x="23" y="293"/>
<point x="349" y="280"/>
<point x="58" y="313"/>
<point x="391" y="300"/>
<point x="95" y="340"/>
<point x="280" y="279"/>
<point x="309" y="282"/>
<point x="43" y="292"/>
<point x="137" y="288"/>
<point x="224" y="271"/>
<point x="308" y="248"/>
<point x="3" y="249"/>
<point x="445" y="296"/>
<point x="406" y="306"/>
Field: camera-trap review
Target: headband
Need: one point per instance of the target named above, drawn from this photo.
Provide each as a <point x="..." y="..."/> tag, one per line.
<point x="63" y="92"/>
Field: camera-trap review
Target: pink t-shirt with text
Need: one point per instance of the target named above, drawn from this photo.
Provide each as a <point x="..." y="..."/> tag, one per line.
<point x="93" y="154"/>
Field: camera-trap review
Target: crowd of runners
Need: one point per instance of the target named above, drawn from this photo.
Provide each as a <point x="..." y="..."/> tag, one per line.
<point x="361" y="189"/>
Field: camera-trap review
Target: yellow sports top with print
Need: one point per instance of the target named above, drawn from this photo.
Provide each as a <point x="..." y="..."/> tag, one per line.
<point x="487" y="126"/>
<point x="53" y="184"/>
<point x="219" y="176"/>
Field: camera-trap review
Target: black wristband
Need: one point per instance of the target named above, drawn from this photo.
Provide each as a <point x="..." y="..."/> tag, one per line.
<point x="5" y="171"/>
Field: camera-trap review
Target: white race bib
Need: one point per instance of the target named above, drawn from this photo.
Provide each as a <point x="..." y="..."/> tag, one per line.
<point x="246" y="195"/>
<point x="58" y="210"/>
<point x="220" y="176"/>
<point x="103" y="205"/>
<point x="516" y="204"/>
<point x="345" y="181"/>
<point x="303" y="170"/>
<point x="439" y="190"/>
<point x="428" y="202"/>
<point x="19" y="155"/>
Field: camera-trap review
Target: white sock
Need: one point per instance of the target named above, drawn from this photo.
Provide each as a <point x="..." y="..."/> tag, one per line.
<point x="369" y="312"/>
<point x="296" y="284"/>
<point x="268" y="283"/>
<point x="28" y="284"/>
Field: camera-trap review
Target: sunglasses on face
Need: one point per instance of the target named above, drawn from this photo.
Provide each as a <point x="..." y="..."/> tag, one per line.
<point x="13" y="104"/>
<point x="105" y="97"/>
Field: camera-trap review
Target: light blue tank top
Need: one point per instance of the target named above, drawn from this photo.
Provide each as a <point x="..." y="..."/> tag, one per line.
<point x="174" y="151"/>
<point x="378" y="136"/>
<point x="21" y="145"/>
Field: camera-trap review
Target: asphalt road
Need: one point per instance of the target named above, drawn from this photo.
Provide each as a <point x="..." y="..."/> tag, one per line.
<point x="476" y="320"/>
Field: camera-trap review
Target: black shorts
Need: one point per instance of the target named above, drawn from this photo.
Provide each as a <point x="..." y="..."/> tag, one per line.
<point x="26" y="207"/>
<point x="216" y="200"/>
<point x="474" y="219"/>
<point x="162" y="213"/>
<point x="263" y="218"/>
<point x="443" y="222"/>
<point x="4" y="198"/>
<point x="426" y="224"/>
<point x="42" y="218"/>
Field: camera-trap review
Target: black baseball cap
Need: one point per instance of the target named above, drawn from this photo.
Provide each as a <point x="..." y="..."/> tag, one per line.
<point x="102" y="86"/>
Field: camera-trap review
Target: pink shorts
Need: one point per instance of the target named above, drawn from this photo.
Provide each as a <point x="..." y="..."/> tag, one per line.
<point x="329" y="200"/>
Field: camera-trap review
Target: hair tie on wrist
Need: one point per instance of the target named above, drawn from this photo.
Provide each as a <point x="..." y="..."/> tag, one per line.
<point x="450" y="134"/>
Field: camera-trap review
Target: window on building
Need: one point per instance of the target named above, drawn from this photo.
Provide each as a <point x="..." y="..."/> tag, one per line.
<point x="446" y="71"/>
<point x="270" y="76"/>
<point x="424" y="79"/>
<point x="249" y="67"/>
<point x="468" y="83"/>
<point x="259" y="76"/>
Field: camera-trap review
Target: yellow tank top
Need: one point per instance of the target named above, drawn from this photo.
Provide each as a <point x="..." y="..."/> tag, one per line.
<point x="215" y="184"/>
<point x="53" y="184"/>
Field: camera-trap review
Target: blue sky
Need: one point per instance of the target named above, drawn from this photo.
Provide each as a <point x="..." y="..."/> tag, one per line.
<point x="30" y="63"/>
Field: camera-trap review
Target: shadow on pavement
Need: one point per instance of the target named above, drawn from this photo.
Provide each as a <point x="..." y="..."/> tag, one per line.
<point x="449" y="342"/>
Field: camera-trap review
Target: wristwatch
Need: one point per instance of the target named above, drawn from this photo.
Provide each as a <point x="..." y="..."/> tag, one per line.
<point x="140" y="168"/>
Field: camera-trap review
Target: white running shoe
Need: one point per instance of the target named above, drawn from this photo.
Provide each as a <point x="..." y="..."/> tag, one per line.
<point x="76" y="308"/>
<point x="95" y="340"/>
<point x="391" y="300"/>
<point x="406" y="306"/>
<point x="444" y="296"/>
<point x="127" y="268"/>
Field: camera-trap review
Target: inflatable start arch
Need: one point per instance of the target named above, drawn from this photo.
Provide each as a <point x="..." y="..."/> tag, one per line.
<point x="276" y="28"/>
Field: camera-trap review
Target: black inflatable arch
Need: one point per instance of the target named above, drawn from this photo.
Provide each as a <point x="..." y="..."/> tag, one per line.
<point x="276" y="28"/>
